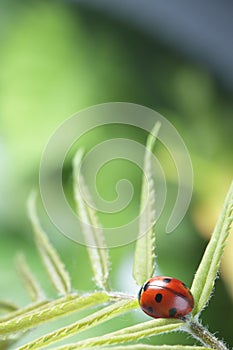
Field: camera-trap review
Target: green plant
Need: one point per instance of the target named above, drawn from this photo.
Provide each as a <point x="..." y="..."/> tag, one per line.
<point x="17" y="321"/>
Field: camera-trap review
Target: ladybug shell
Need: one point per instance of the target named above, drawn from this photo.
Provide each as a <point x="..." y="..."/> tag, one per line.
<point x="165" y="297"/>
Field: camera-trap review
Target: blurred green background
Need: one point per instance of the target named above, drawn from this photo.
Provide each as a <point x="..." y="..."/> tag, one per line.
<point x="59" y="57"/>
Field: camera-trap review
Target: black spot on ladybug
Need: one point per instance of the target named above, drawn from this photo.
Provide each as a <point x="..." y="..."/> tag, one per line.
<point x="146" y="285"/>
<point x="150" y="310"/>
<point x="158" y="297"/>
<point x="172" y="312"/>
<point x="139" y="294"/>
<point x="167" y="280"/>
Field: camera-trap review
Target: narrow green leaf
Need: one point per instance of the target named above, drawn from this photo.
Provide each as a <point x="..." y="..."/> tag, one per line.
<point x="145" y="246"/>
<point x="52" y="310"/>
<point x="93" y="234"/>
<point x="128" y="334"/>
<point x="51" y="260"/>
<point x="23" y="310"/>
<point x="94" y="319"/>
<point x="204" y="279"/>
<point x="29" y="280"/>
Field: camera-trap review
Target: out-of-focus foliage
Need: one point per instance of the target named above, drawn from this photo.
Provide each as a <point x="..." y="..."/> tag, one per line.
<point x="57" y="58"/>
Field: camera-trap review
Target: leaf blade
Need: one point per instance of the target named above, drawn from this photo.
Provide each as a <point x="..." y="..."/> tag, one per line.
<point x="132" y="333"/>
<point x="207" y="271"/>
<point x="143" y="269"/>
<point x="30" y="282"/>
<point x="55" y="268"/>
<point x="94" y="319"/>
<point x="93" y="234"/>
<point x="66" y="305"/>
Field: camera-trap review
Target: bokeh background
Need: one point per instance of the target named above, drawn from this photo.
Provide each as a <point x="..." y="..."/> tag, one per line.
<point x="175" y="57"/>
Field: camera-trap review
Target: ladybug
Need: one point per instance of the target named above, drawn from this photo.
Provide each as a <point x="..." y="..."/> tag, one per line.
<point x="165" y="297"/>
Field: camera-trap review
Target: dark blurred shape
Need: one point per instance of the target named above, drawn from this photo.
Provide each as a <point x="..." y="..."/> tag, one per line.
<point x="202" y="30"/>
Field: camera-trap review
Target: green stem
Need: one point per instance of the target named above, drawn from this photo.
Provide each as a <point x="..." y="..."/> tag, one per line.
<point x="204" y="336"/>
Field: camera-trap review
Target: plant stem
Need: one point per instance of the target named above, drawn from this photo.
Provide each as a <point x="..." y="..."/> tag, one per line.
<point x="204" y="336"/>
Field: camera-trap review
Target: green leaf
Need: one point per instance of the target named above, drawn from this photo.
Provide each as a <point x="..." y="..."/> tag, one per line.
<point x="94" y="319"/>
<point x="29" y="280"/>
<point x="93" y="234"/>
<point x="128" y="334"/>
<point x="52" y="310"/>
<point x="51" y="260"/>
<point x="23" y="310"/>
<point x="204" y="279"/>
<point x="145" y="246"/>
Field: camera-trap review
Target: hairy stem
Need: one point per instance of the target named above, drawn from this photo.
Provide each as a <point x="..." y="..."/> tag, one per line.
<point x="204" y="336"/>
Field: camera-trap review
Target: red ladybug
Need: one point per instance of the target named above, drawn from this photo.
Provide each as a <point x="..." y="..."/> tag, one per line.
<point x="165" y="297"/>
